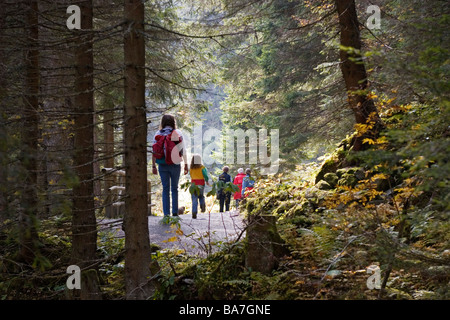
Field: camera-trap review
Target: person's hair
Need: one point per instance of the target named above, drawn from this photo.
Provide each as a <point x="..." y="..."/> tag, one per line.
<point x="226" y="169"/>
<point x="196" y="161"/>
<point x="248" y="171"/>
<point x="168" y="120"/>
<point x="240" y="170"/>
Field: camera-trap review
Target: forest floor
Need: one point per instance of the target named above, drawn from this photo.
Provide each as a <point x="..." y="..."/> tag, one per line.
<point x="200" y="236"/>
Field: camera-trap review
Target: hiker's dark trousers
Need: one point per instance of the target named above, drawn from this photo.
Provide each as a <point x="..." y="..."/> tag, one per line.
<point x="224" y="201"/>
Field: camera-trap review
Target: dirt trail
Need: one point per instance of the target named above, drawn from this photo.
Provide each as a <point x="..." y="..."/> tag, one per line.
<point x="196" y="236"/>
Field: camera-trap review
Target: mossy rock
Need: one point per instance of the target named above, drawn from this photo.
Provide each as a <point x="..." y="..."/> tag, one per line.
<point x="323" y="185"/>
<point x="285" y="206"/>
<point x="330" y="165"/>
<point x="316" y="197"/>
<point x="347" y="180"/>
<point x="331" y="178"/>
<point x="340" y="172"/>
<point x="340" y="158"/>
<point x="350" y="176"/>
<point x="358" y="172"/>
<point x="299" y="209"/>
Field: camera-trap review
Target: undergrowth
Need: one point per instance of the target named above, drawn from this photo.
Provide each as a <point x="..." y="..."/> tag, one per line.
<point x="387" y="206"/>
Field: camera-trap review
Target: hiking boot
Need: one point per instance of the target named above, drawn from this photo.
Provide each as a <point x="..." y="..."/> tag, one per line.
<point x="203" y="207"/>
<point x="194" y="215"/>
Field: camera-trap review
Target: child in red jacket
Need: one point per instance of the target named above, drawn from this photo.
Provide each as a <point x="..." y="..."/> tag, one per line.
<point x="238" y="181"/>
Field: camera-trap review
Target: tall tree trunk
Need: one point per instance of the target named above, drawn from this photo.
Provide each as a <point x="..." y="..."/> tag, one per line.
<point x="3" y="131"/>
<point x="137" y="242"/>
<point x="108" y="154"/>
<point x="354" y="71"/>
<point x="28" y="236"/>
<point x="96" y="167"/>
<point x="108" y="134"/>
<point x="84" y="227"/>
<point x="3" y="165"/>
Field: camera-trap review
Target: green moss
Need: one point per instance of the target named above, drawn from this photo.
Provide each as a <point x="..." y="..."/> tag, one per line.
<point x="301" y="208"/>
<point x="347" y="180"/>
<point x="323" y="185"/>
<point x="331" y="178"/>
<point x="330" y="165"/>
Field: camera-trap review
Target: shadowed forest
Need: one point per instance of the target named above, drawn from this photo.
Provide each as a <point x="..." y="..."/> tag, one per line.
<point x="339" y="108"/>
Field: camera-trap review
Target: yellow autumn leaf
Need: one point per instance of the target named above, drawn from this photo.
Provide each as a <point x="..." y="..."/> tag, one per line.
<point x="382" y="140"/>
<point x="362" y="128"/>
<point x="380" y="166"/>
<point x="372" y="96"/>
<point x="369" y="141"/>
<point x="171" y="239"/>
<point x="381" y="176"/>
<point x="389" y="101"/>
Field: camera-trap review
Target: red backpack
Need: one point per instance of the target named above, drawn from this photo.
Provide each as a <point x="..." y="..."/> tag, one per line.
<point x="166" y="148"/>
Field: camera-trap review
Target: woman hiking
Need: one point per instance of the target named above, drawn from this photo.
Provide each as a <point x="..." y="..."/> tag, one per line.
<point x="168" y="147"/>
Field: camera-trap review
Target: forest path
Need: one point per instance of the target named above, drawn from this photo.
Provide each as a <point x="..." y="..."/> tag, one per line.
<point x="196" y="236"/>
